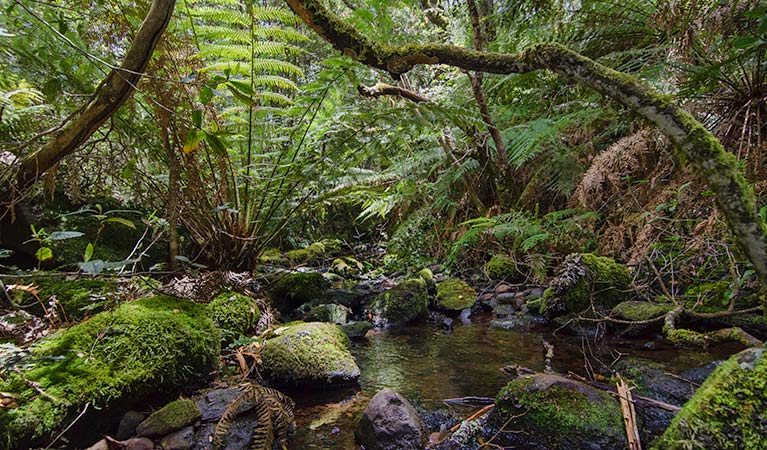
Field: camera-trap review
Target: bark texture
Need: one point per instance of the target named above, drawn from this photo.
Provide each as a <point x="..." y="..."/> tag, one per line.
<point x="695" y="144"/>
<point x="116" y="88"/>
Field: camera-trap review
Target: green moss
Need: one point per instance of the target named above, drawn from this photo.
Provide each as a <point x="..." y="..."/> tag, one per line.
<point x="585" y="280"/>
<point x="313" y="251"/>
<point x="639" y="311"/>
<point x="455" y="295"/>
<point x="427" y="275"/>
<point x="78" y="297"/>
<point x="234" y="313"/>
<point x="727" y="411"/>
<point x="122" y="355"/>
<point x="534" y="305"/>
<point x="405" y="302"/>
<point x="346" y="266"/>
<point x="171" y="417"/>
<point x="309" y="352"/>
<point x="329" y="313"/>
<point x="502" y="267"/>
<point x="295" y="288"/>
<point x="556" y="411"/>
<point x="271" y="256"/>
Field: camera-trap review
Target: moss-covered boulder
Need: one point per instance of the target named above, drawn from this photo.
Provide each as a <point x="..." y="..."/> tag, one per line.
<point x="405" y="302"/>
<point x="171" y="417"/>
<point x="235" y="314"/>
<point x="558" y="413"/>
<point x="728" y="411"/>
<point x="346" y="266"/>
<point x="455" y="295"/>
<point x="502" y="267"/>
<point x="583" y="281"/>
<point x="76" y="297"/>
<point x="332" y="313"/>
<point x="637" y="311"/>
<point x="308" y="354"/>
<point x="293" y="289"/>
<point x="116" y="357"/>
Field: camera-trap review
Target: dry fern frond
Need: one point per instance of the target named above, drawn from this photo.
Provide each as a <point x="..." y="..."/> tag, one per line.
<point x="273" y="410"/>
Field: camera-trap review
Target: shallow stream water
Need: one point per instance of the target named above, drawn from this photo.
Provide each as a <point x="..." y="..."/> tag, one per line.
<point x="427" y="365"/>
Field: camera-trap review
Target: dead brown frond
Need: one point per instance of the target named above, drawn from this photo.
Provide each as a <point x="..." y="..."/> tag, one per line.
<point x="274" y="411"/>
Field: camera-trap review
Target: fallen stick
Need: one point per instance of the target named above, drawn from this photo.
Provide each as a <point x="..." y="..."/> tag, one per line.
<point x="469" y="401"/>
<point x="629" y="414"/>
<point x="638" y="399"/>
<point x="474" y="416"/>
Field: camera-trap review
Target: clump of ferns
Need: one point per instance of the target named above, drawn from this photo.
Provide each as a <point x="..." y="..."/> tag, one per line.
<point x="274" y="413"/>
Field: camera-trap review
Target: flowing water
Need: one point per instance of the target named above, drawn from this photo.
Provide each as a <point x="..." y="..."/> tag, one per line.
<point x="427" y="365"/>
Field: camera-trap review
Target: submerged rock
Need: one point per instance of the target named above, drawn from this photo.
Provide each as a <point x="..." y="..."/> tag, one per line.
<point x="309" y="353"/>
<point x="455" y="295"/>
<point x="401" y="304"/>
<point x="728" y="411"/>
<point x="121" y="356"/>
<point x="390" y="423"/>
<point x="559" y="413"/>
<point x="585" y="280"/>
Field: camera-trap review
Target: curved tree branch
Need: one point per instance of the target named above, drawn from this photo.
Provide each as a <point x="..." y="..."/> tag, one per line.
<point x="113" y="91"/>
<point x="694" y="142"/>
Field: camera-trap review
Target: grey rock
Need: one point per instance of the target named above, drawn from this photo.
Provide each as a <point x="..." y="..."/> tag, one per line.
<point x="358" y="329"/>
<point x="179" y="440"/>
<point x="128" y="424"/>
<point x="141" y="443"/>
<point x="213" y="403"/>
<point x="390" y="423"/>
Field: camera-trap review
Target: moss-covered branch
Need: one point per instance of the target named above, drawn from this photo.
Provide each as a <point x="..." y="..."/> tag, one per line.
<point x="116" y="88"/>
<point x="694" y="142"/>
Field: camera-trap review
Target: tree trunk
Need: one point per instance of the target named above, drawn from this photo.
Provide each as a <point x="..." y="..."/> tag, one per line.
<point x="113" y="91"/>
<point x="694" y="142"/>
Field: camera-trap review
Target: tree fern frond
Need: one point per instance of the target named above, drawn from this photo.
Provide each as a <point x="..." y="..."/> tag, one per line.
<point x="221" y="15"/>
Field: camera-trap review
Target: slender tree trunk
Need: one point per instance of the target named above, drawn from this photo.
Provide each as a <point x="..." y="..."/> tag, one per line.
<point x="174" y="174"/>
<point x="113" y="91"/>
<point x="693" y="141"/>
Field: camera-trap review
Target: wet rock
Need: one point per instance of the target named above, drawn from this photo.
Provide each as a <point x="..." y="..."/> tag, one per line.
<point x="579" y="278"/>
<point x="464" y="316"/>
<point x="503" y="311"/>
<point x="507" y="298"/>
<point x="559" y="413"/>
<point x="455" y="295"/>
<point x="171" y="417"/>
<point x="213" y="403"/>
<point x="390" y="423"/>
<point x="503" y="288"/>
<point x="128" y="424"/>
<point x="534" y="293"/>
<point x="309" y="353"/>
<point x="406" y="302"/>
<point x="358" y="329"/>
<point x="517" y="322"/>
<point x="639" y="311"/>
<point x="291" y="289"/>
<point x="180" y="440"/>
<point x="100" y="445"/>
<point x="140" y="443"/>
<point x="727" y="411"/>
<point x="331" y="313"/>
<point x="447" y="324"/>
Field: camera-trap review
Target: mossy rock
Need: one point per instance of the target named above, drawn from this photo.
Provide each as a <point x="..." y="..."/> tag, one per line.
<point x="331" y="313"/>
<point x="638" y="311"/>
<point x="728" y="411"/>
<point x="78" y="297"/>
<point x="295" y="288"/>
<point x="271" y="256"/>
<point x="455" y="295"/>
<point x="405" y="302"/>
<point x="585" y="280"/>
<point x="116" y="357"/>
<point x="346" y="266"/>
<point x="309" y="354"/>
<point x="235" y="314"/>
<point x="171" y="417"/>
<point x="558" y="413"/>
<point x="502" y="267"/>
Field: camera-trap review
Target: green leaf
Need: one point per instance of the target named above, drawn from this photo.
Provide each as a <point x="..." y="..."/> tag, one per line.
<point x="122" y="221"/>
<point x="43" y="253"/>
<point x="62" y="235"/>
<point x="193" y="140"/>
<point x="216" y="143"/>
<point x="197" y="117"/>
<point x="744" y="42"/>
<point x="88" y="252"/>
<point x="206" y="95"/>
